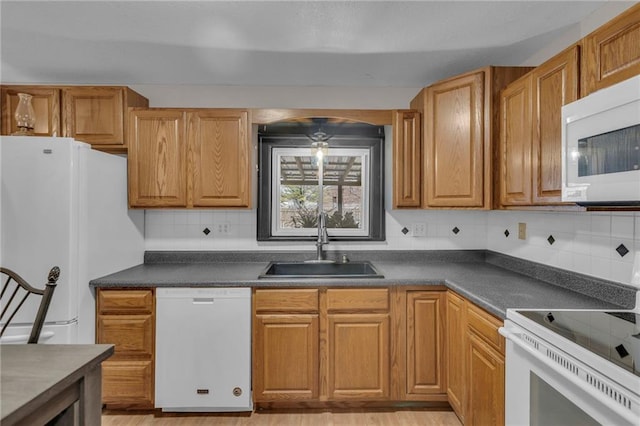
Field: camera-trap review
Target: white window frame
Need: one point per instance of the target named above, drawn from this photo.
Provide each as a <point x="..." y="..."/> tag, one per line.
<point x="278" y="153"/>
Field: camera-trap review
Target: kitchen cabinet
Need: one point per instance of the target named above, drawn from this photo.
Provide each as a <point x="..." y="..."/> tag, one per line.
<point x="485" y="369"/>
<point x="515" y="143"/>
<point x="157" y="159"/>
<point x="189" y="158"/>
<point x="126" y="319"/>
<point x="456" y="341"/>
<point x="612" y="52"/>
<point x="475" y="363"/>
<point x="530" y="131"/>
<point x="341" y="345"/>
<point x="407" y="158"/>
<point x="220" y="158"/>
<point x="46" y="104"/>
<point x="285" y="345"/>
<point x="98" y="115"/>
<point x="420" y="319"/>
<point x="459" y="132"/>
<point x="358" y="347"/>
<point x="92" y="114"/>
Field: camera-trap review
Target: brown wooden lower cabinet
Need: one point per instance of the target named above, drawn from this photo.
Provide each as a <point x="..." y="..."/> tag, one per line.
<point x="358" y="351"/>
<point x="128" y="384"/>
<point x="342" y="345"/>
<point x="285" y="361"/>
<point x="126" y="319"/>
<point x="456" y="342"/>
<point x="475" y="363"/>
<point x="422" y="340"/>
<point x="485" y="391"/>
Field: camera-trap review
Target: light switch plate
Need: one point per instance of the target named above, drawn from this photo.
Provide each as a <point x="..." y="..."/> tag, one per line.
<point x="522" y="231"/>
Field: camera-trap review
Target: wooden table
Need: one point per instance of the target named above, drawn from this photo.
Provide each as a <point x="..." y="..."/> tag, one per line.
<point x="39" y="382"/>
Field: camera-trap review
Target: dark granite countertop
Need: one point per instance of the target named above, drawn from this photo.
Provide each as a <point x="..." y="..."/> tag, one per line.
<point x="488" y="279"/>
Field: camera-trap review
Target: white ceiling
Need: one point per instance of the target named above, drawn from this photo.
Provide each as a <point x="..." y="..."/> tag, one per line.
<point x="311" y="43"/>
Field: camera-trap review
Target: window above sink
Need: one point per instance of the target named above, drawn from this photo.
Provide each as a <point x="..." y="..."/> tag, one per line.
<point x="352" y="180"/>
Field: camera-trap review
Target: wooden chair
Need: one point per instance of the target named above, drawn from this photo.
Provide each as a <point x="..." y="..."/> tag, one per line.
<point x="15" y="292"/>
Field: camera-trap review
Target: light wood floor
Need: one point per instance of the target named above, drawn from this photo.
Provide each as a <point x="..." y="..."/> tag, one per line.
<point x="288" y="418"/>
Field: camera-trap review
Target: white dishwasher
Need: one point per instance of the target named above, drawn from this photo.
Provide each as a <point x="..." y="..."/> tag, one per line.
<point x="203" y="349"/>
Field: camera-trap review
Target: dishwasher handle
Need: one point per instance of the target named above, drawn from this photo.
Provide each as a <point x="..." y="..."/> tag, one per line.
<point x="202" y="300"/>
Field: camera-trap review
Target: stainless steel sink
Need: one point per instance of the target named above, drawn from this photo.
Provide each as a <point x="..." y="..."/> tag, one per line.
<point x="362" y="269"/>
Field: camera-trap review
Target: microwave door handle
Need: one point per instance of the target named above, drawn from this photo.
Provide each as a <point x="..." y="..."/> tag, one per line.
<point x="515" y="338"/>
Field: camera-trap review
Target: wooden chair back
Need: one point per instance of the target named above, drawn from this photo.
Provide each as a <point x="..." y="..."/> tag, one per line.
<point x="15" y="292"/>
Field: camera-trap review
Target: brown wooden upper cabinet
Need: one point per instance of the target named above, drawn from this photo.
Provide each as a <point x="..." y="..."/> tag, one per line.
<point x="189" y="158"/>
<point x="46" y="104"/>
<point x="530" y="131"/>
<point x="407" y="158"/>
<point x="612" y="52"/>
<point x="92" y="114"/>
<point x="459" y="130"/>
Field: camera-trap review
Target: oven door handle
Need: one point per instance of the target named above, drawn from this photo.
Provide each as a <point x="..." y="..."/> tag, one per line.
<point x="583" y="385"/>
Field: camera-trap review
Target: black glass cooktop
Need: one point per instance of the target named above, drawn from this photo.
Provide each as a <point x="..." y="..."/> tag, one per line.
<point x="614" y="336"/>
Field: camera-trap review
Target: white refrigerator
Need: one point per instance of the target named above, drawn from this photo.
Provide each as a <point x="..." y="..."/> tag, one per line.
<point x="64" y="204"/>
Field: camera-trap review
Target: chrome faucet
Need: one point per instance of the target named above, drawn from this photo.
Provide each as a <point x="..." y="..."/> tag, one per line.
<point x="323" y="237"/>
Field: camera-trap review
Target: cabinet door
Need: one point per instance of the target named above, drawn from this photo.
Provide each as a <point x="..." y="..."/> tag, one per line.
<point x="612" y="52"/>
<point x="515" y="143"/>
<point x="220" y="158"/>
<point x="94" y="114"/>
<point x="555" y="83"/>
<point x="407" y="159"/>
<point x="157" y="164"/>
<point x="46" y="104"/>
<point x="285" y="358"/>
<point x="132" y="335"/>
<point x="425" y="320"/>
<point x="358" y="356"/>
<point x="455" y="352"/>
<point x="455" y="143"/>
<point x="128" y="384"/>
<point x="486" y="384"/>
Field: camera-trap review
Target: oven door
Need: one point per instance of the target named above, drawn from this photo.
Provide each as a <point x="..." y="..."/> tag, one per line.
<point x="543" y="387"/>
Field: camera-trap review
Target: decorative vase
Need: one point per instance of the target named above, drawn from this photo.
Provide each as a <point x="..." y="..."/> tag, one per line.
<point x="25" y="115"/>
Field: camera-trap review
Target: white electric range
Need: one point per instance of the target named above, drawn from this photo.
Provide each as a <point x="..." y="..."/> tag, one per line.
<point x="570" y="367"/>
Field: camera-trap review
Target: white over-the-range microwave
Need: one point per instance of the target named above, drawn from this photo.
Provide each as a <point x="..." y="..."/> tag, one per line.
<point x="601" y="147"/>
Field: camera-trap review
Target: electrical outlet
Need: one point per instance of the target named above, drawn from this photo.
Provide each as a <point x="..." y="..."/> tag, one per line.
<point x="223" y="229"/>
<point x="419" y="229"/>
<point x="522" y="231"/>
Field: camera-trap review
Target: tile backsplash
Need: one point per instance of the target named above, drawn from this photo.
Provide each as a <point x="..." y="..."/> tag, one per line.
<point x="600" y="244"/>
<point x="236" y="230"/>
<point x="586" y="242"/>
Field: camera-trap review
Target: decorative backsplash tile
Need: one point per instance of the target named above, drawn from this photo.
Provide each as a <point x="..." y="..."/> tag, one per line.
<point x="584" y="242"/>
<point x="622" y="250"/>
<point x="591" y="243"/>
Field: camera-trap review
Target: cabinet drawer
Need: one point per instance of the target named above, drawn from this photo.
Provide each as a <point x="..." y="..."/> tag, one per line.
<point x="127" y="383"/>
<point x="125" y="301"/>
<point x="485" y="326"/>
<point x="357" y="299"/>
<point x="132" y="335"/>
<point x="288" y="300"/>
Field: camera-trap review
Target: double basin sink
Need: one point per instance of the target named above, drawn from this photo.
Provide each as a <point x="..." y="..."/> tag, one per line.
<point x="359" y="269"/>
